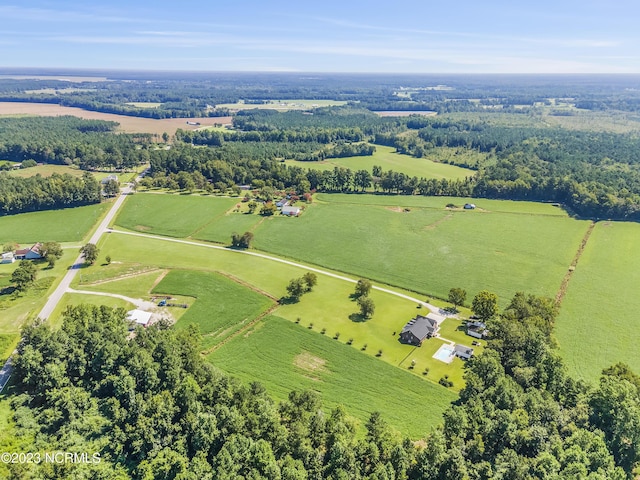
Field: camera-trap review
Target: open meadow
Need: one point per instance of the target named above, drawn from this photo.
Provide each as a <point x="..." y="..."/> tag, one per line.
<point x="172" y="215"/>
<point x="128" y="124"/>
<point x="388" y="159"/>
<point x="427" y="249"/>
<point x="284" y="356"/>
<point x="64" y="225"/>
<point x="598" y="322"/>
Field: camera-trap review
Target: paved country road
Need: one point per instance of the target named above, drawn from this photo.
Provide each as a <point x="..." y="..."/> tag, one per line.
<point x="63" y="286"/>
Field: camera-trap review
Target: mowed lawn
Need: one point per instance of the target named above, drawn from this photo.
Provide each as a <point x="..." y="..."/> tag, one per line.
<point x="171" y="215"/>
<point x="284" y="356"/>
<point x="598" y="322"/>
<point x="221" y="305"/>
<point x="388" y="159"/>
<point x="65" y="225"/>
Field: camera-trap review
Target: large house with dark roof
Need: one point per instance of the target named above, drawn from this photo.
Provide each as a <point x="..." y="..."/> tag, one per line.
<point x="419" y="328"/>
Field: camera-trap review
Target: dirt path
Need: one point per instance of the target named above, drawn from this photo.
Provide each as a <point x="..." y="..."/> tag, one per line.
<point x="138" y="302"/>
<point x="567" y="277"/>
<point x="240" y="330"/>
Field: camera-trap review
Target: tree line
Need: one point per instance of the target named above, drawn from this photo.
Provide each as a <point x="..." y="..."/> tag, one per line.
<point x="18" y="195"/>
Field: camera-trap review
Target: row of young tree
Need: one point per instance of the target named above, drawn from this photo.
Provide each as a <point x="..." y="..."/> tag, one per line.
<point x="153" y="408"/>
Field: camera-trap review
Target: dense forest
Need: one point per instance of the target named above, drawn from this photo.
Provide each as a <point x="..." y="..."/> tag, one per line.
<point x="152" y="408"/>
<point x="18" y="195"/>
<point x="594" y="174"/>
<point x="199" y="94"/>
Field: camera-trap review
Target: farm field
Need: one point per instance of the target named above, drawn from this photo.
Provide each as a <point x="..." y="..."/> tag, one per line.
<point x="172" y="215"/>
<point x="65" y="225"/>
<point x="429" y="249"/>
<point x="285" y="356"/>
<point x="388" y="159"/>
<point x="282" y="105"/>
<point x="603" y="292"/>
<point x="440" y="203"/>
<point x="221" y="305"/>
<point x="127" y="124"/>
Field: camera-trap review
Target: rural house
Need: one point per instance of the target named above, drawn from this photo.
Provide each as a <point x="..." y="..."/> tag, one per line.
<point x="32" y="253"/>
<point x="7" y="257"/>
<point x="419" y="328"/>
<point x="291" y="211"/>
<point x="282" y="203"/>
<point x="463" y="352"/>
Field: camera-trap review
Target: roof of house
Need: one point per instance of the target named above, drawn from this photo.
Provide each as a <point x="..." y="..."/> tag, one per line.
<point x="290" y="209"/>
<point x="139" y="316"/>
<point x="7" y="255"/>
<point x="34" y="248"/>
<point x="421" y="326"/>
<point x="462" y="349"/>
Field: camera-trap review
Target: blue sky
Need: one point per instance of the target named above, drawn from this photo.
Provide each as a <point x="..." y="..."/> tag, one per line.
<point x="407" y="36"/>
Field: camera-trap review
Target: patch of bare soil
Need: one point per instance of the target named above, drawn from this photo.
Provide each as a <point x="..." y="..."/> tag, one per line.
<point x="310" y="363"/>
<point x="127" y="124"/>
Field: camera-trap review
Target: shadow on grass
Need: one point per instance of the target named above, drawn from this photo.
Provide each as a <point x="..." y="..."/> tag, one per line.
<point x="357" y="318"/>
<point x="288" y="300"/>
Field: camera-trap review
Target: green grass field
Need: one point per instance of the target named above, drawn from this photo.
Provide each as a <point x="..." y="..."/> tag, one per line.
<point x="598" y="320"/>
<point x="431" y="251"/>
<point x="47" y="170"/>
<point x="389" y="160"/>
<point x="171" y="215"/>
<point x="222" y="306"/>
<point x="501" y="246"/>
<point x="284" y="356"/>
<point x="66" y="225"/>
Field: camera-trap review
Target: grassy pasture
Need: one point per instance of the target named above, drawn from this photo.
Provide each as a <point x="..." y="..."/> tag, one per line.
<point x="428" y="249"/>
<point x="46" y="170"/>
<point x="388" y="159"/>
<point x="439" y="203"/>
<point x="222" y="306"/>
<point x="284" y="356"/>
<point x="431" y="251"/>
<point x="598" y="321"/>
<point x="172" y="215"/>
<point x="65" y="225"/>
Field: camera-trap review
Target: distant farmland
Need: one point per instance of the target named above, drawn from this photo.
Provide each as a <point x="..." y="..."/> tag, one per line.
<point x="127" y="124"/>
